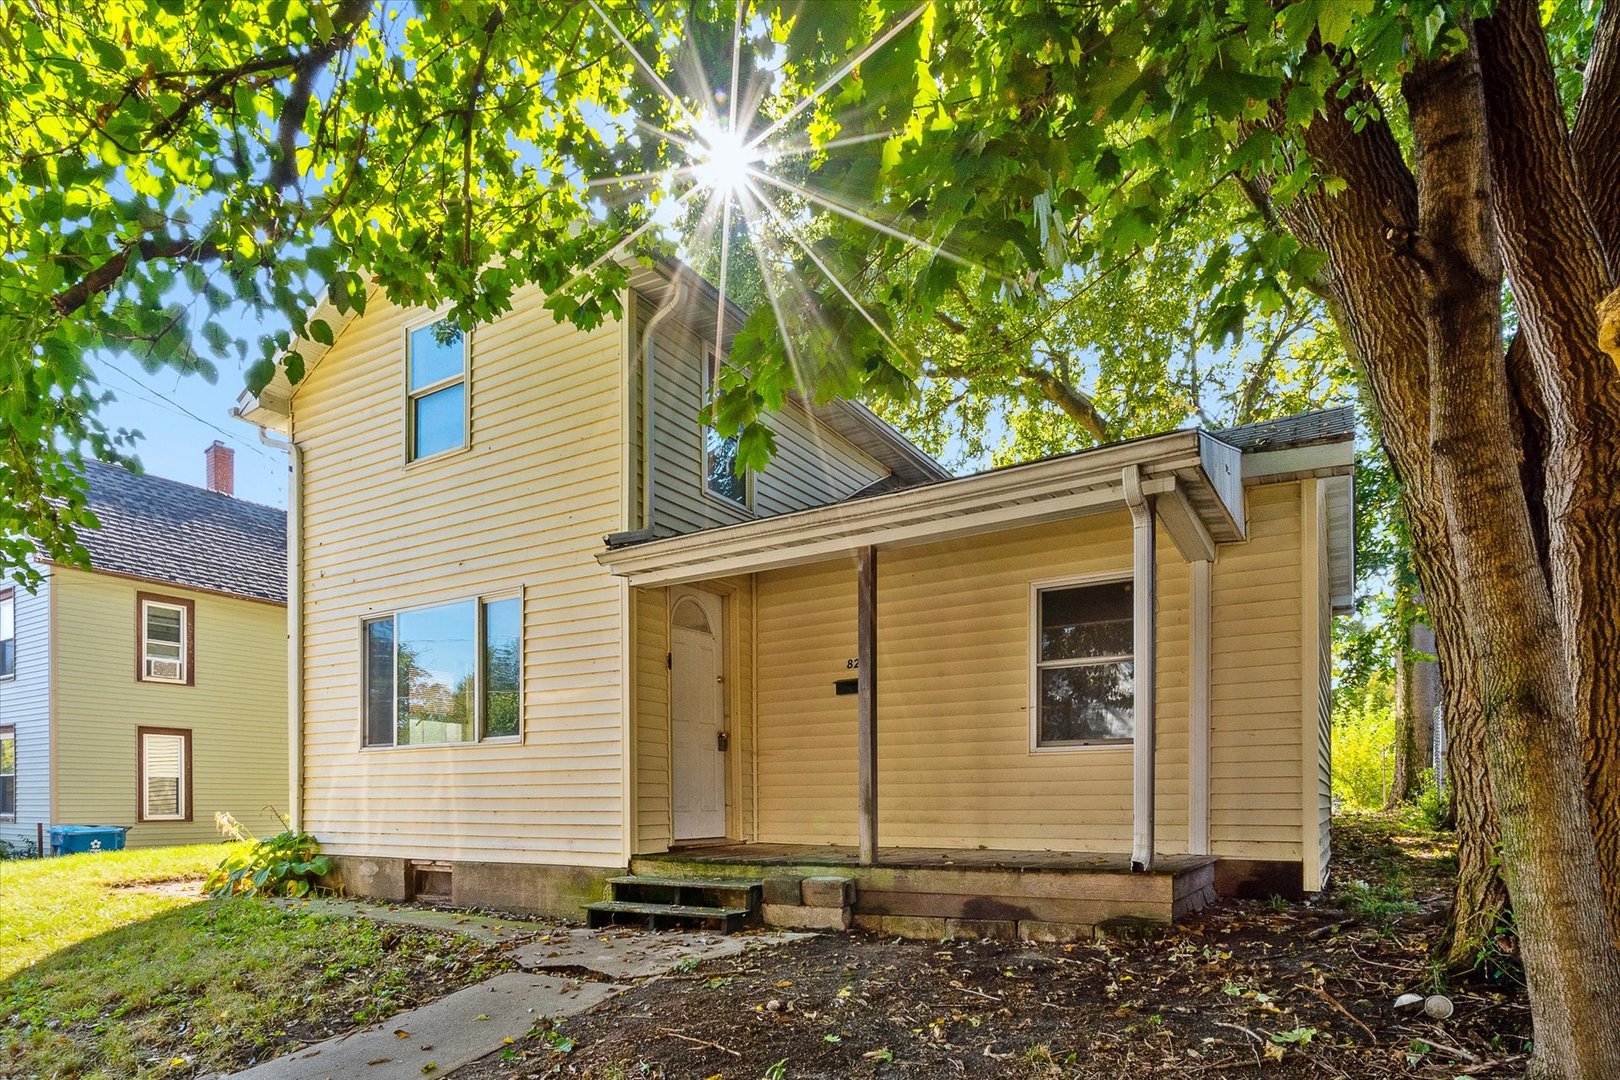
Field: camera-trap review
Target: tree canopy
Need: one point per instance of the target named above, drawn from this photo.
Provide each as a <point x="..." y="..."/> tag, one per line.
<point x="1060" y="214"/>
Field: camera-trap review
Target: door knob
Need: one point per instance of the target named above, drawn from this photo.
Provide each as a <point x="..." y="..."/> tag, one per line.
<point x="722" y="740"/>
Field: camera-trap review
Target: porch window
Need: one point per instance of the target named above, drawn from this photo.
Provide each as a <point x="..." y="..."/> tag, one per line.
<point x="8" y="633"/>
<point x="436" y="378"/>
<point x="8" y="773"/>
<point x="444" y="674"/>
<point x="1084" y="688"/>
<point x="720" y="476"/>
<point x="165" y="774"/>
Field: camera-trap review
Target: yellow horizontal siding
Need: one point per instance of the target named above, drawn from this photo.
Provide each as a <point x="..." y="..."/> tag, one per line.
<point x="523" y="511"/>
<point x="236" y="711"/>
<point x="954" y="764"/>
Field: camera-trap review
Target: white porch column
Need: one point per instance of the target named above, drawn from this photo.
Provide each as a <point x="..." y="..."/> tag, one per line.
<point x="866" y="711"/>
<point x="1142" y="590"/>
<point x="1198" y="709"/>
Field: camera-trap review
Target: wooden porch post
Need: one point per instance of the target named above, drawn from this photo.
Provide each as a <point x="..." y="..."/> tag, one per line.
<point x="866" y="723"/>
<point x="1142" y="590"/>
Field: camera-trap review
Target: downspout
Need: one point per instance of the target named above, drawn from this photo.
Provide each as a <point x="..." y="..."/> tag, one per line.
<point x="295" y="623"/>
<point x="648" y="339"/>
<point x="1143" y="573"/>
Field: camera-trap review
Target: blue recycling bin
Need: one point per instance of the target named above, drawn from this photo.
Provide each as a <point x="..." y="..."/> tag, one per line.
<point x="77" y="839"/>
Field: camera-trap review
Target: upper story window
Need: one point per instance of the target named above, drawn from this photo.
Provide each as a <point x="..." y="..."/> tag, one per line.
<point x="8" y="633"/>
<point x="166" y="648"/>
<point x="436" y="390"/>
<point x="1084" y="692"/>
<point x="445" y="674"/>
<point x="720" y="475"/>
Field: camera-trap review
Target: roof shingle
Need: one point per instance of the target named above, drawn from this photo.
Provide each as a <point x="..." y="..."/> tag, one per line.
<point x="163" y="530"/>
<point x="1302" y="429"/>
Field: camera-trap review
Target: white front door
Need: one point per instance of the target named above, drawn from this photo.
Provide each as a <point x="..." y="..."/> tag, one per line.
<point x="697" y="716"/>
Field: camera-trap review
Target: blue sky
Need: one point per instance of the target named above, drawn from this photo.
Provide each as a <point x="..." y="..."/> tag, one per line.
<point x="179" y="416"/>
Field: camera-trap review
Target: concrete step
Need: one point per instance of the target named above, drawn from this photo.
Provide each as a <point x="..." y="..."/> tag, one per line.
<point x="661" y="916"/>
<point x="688" y="891"/>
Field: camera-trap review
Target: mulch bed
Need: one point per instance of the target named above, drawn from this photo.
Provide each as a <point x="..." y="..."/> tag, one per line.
<point x="1248" y="986"/>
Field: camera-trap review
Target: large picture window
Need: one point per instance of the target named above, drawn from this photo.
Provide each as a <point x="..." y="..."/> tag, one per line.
<point x="720" y="475"/>
<point x="436" y="380"/>
<point x="1085" y="682"/>
<point x="8" y="633"/>
<point x="165" y="774"/>
<point x="444" y="674"/>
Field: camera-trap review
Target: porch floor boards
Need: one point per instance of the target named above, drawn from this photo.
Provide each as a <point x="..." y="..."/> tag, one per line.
<point x="924" y="858"/>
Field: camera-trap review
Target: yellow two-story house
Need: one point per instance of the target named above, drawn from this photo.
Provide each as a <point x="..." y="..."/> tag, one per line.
<point x="148" y="690"/>
<point x="552" y="650"/>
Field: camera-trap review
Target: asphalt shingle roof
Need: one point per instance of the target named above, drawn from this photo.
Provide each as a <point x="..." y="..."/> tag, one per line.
<point x="164" y="530"/>
<point x="1303" y="429"/>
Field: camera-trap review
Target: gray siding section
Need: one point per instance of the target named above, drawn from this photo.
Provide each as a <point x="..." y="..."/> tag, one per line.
<point x="814" y="465"/>
<point x="25" y="704"/>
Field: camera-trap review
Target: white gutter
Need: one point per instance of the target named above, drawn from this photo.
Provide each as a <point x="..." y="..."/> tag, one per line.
<point x="295" y="621"/>
<point x="1142" y="590"/>
<point x="648" y="363"/>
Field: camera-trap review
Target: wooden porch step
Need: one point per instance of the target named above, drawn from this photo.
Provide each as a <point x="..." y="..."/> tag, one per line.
<point x="711" y="884"/>
<point x="660" y="916"/>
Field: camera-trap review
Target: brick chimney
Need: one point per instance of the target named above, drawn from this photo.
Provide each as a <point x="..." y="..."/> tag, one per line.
<point x="221" y="468"/>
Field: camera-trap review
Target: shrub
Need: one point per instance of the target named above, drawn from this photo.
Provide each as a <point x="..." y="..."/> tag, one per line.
<point x="1433" y="805"/>
<point x="1363" y="744"/>
<point x="286" y="864"/>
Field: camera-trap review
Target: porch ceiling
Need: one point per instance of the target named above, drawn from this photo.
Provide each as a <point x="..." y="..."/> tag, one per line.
<point x="1196" y="479"/>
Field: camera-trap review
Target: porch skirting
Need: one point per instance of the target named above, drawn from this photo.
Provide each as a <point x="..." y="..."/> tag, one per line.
<point x="935" y="893"/>
<point x="521" y="888"/>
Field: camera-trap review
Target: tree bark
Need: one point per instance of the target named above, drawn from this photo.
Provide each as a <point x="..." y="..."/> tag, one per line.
<point x="1375" y="300"/>
<point x="1531" y="722"/>
<point x="1556" y="266"/>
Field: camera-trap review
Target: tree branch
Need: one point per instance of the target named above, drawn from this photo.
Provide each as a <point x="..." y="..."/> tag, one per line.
<point x="104" y="276"/>
<point x="1596" y="139"/>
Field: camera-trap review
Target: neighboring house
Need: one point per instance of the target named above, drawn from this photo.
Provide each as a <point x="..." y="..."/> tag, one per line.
<point x="546" y="636"/>
<point x="150" y="689"/>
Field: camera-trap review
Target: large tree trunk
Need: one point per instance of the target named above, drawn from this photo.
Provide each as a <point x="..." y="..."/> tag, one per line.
<point x="1557" y="268"/>
<point x="1375" y="301"/>
<point x="1531" y="721"/>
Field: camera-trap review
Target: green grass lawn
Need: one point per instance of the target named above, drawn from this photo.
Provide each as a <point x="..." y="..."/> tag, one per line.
<point x="99" y="980"/>
<point x="49" y="904"/>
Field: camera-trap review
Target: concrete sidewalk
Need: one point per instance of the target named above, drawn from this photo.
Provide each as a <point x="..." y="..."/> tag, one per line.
<point x="564" y="971"/>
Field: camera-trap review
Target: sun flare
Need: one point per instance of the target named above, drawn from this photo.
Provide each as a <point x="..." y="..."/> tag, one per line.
<point x="721" y="160"/>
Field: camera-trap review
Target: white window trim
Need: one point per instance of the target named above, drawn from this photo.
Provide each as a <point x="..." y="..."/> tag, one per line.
<point x="411" y="396"/>
<point x="710" y="361"/>
<point x="1105" y="577"/>
<point x="9" y="596"/>
<point x="146" y="641"/>
<point x="9" y="733"/>
<point x="181" y="778"/>
<point x="479" y="738"/>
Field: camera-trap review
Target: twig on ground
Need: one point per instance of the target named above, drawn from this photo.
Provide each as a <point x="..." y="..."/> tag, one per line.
<point x="1346" y="1013"/>
<point x="1461" y="1055"/>
<point x="700" y="1042"/>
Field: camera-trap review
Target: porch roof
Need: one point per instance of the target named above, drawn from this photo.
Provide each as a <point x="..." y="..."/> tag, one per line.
<point x="1197" y="480"/>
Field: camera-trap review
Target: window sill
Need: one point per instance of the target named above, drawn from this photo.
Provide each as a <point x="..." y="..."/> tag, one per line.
<point x="433" y="459"/>
<point x="499" y="740"/>
<point x="1070" y="748"/>
<point x="735" y="507"/>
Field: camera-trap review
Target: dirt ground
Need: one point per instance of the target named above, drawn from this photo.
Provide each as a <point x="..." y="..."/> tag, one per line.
<point x="1249" y="986"/>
